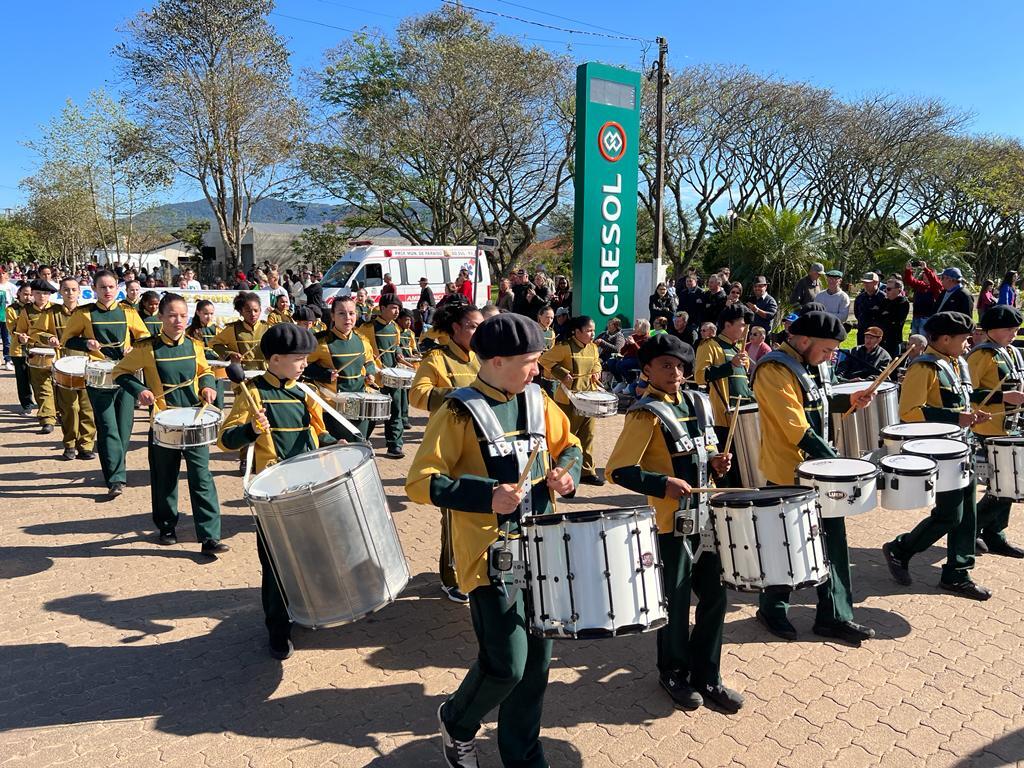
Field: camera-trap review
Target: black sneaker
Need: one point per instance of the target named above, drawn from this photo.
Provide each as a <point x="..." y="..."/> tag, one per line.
<point x="683" y="695"/>
<point x="967" y="589"/>
<point x="396" y="453"/>
<point x="46" y="429"/>
<point x="68" y="455"/>
<point x="116" y="489"/>
<point x="87" y="455"/>
<point x="726" y="699"/>
<point x="781" y="628"/>
<point x="592" y="480"/>
<point x="457" y="754"/>
<point x="281" y="647"/>
<point x="455" y="594"/>
<point x="980" y="547"/>
<point x="900" y="569"/>
<point x="1006" y="549"/>
<point x="167" y="538"/>
<point x="212" y="547"/>
<point x="847" y="631"/>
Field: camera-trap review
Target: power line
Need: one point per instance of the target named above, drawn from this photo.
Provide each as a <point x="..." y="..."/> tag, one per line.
<point x="556" y="16"/>
<point x="615" y="36"/>
<point x="323" y="24"/>
<point x="360" y="10"/>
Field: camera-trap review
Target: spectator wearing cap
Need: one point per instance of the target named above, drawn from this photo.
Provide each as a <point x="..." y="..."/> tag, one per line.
<point x="764" y="306"/>
<point x="660" y="303"/>
<point x="955" y="298"/>
<point x="892" y="314"/>
<point x="867" y="303"/>
<point x="927" y="291"/>
<point x="867" y="360"/>
<point x="808" y="286"/>
<point x="782" y="336"/>
<point x="834" y="299"/>
<point x="562" y="317"/>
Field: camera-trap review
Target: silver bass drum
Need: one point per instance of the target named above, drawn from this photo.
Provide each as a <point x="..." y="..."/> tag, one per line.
<point x="746" y="446"/>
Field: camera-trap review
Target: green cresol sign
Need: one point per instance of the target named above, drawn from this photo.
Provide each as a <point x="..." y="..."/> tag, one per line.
<point x="605" y="179"/>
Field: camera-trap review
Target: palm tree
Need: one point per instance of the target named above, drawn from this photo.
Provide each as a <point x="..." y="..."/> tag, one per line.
<point x="932" y="244"/>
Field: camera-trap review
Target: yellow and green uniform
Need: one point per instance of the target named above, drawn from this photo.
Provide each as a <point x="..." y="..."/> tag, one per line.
<point x="433" y="337"/>
<point x="794" y="427"/>
<point x="77" y="423"/>
<point x="364" y="312"/>
<point x="352" y="357"/>
<point x="274" y="317"/>
<point x="296" y="426"/>
<point x="442" y="370"/>
<point x="384" y="339"/>
<point x="132" y="305"/>
<point x="32" y="321"/>
<point x="453" y="470"/>
<point x="570" y="358"/>
<point x="727" y="383"/>
<point x="547" y="385"/>
<point x="647" y="453"/>
<point x="175" y="371"/>
<point x="407" y="343"/>
<point x="937" y="388"/>
<point x="114" y="328"/>
<point x="243" y="339"/>
<point x="21" y="376"/>
<point x="204" y="336"/>
<point x="153" y="324"/>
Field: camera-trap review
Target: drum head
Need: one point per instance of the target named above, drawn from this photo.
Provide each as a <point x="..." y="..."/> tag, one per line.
<point x="1005" y="440"/>
<point x="918" y="430"/>
<point x="73" y="366"/>
<point x="399" y="373"/>
<point x="836" y="469"/>
<point x="253" y="374"/>
<point x="763" y="497"/>
<point x="42" y="351"/>
<point x="849" y="387"/>
<point x="937" y="448"/>
<point x="588" y="515"/>
<point x="309" y="470"/>
<point x="100" y="365"/>
<point x="595" y="397"/>
<point x="186" y="417"/>
<point x="904" y="464"/>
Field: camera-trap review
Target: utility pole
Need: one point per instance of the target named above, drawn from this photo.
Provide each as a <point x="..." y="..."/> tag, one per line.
<point x="659" y="163"/>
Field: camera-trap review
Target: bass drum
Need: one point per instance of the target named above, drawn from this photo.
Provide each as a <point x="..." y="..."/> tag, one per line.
<point x="330" y="534"/>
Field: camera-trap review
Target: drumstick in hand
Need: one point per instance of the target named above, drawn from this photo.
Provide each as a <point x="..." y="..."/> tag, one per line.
<point x="529" y="465"/>
<point x="199" y="413"/>
<point x="732" y="426"/>
<point x="997" y="388"/>
<point x="882" y="377"/>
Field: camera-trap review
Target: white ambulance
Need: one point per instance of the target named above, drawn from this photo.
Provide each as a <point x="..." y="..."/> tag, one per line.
<point x="365" y="265"/>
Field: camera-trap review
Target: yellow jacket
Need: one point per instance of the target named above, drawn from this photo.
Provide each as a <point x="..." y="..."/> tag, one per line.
<point x="986" y="374"/>
<point x="442" y="370"/>
<point x="80" y="325"/>
<point x="709" y="355"/>
<point x="32" y="321"/>
<point x="274" y="317"/>
<point x="921" y="394"/>
<point x="347" y="367"/>
<point x="142" y="357"/>
<point x="569" y="358"/>
<point x="243" y="339"/>
<point x="11" y="319"/>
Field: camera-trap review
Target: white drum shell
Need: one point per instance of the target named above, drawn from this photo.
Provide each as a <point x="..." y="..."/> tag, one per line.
<point x="837" y="496"/>
<point x="1006" y="467"/>
<point x="894" y="436"/>
<point x="396" y="378"/>
<point x="174" y="427"/>
<point x="951" y="456"/>
<point x="331" y="536"/>
<point x="99" y="374"/>
<point x="902" y="486"/>
<point x="597" y="405"/>
<point x="594" y="574"/>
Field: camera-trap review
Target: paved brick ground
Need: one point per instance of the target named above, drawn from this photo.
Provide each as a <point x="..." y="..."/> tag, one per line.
<point x="117" y="652"/>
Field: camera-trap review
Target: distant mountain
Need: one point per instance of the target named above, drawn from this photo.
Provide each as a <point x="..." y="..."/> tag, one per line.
<point x="171" y="216"/>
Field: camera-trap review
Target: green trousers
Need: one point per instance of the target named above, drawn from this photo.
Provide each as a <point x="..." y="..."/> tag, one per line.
<point x="394" y="427"/>
<point x="164" y="467"/>
<point x="275" y="607"/>
<point x="993" y="518"/>
<point x="955" y="516"/>
<point x="113" y="410"/>
<point x="42" y="389"/>
<point x="696" y="653"/>
<point x="511" y="673"/>
<point x="445" y="562"/>
<point x="835" y="596"/>
<point x="77" y="425"/>
<point x="22" y="380"/>
<point x="583" y="428"/>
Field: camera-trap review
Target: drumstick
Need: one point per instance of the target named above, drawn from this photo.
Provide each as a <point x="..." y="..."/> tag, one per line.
<point x="237" y="376"/>
<point x="526" y="470"/>
<point x="732" y="425"/>
<point x="996" y="388"/>
<point x="882" y="377"/>
<point x="566" y="468"/>
<point x="713" y="489"/>
<point x="199" y="413"/>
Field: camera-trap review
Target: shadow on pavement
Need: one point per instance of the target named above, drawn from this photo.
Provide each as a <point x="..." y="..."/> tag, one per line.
<point x="1006" y="750"/>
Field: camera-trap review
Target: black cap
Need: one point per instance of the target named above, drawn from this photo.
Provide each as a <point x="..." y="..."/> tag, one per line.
<point x="42" y="285"/>
<point x="305" y="314"/>
<point x="664" y="344"/>
<point x="507" y="335"/>
<point x="387" y="299"/>
<point x="948" y="324"/>
<point x="732" y="313"/>
<point x="1001" y="316"/>
<point x="287" y="339"/>
<point x="818" y="325"/>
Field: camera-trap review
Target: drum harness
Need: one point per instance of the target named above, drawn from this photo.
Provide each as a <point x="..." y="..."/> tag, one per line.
<point x="813" y="394"/>
<point x="961" y="387"/>
<point x="506" y="570"/>
<point x="1011" y="356"/>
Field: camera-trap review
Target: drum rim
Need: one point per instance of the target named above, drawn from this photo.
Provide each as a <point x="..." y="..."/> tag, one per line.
<point x="796" y="493"/>
<point x="1004" y="440"/>
<point x="959" y="454"/>
<point x="176" y="427"/>
<point x="584" y="515"/>
<point x="306" y="490"/>
<point x="43" y="351"/>
<point x="888" y="434"/>
<point x="866" y="475"/>
<point x="905" y="472"/>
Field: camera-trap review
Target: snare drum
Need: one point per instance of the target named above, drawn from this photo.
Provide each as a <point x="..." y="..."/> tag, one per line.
<point x="596" y="405"/>
<point x="69" y="372"/>
<point x="893" y="436"/>
<point x="41" y="357"/>
<point x="769" y="537"/>
<point x="396" y="378"/>
<point x="907" y="482"/>
<point x="594" y="573"/>
<point x="178" y="428"/>
<point x="845" y="487"/>
<point x="364" y="405"/>
<point x="99" y="374"/>
<point x="953" y="459"/>
<point x="1006" y="466"/>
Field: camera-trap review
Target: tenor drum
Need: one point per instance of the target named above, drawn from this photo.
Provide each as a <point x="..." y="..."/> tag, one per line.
<point x="907" y="482"/>
<point x="857" y="434"/>
<point x="99" y="374"/>
<point x="41" y="357"/>
<point x="178" y="427"/>
<point x="747" y="446"/>
<point x="69" y="372"/>
<point x="364" y="405"/>
<point x="845" y="487"/>
<point x="894" y="436"/>
<point x="330" y="534"/>
<point x="953" y="459"/>
<point x="1006" y="466"/>
<point x="769" y="537"/>
<point x="594" y="573"/>
<point x="596" y="405"/>
<point x="396" y="378"/>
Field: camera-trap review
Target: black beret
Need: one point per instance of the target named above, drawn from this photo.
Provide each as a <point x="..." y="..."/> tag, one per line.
<point x="287" y="339"/>
<point x="42" y="285"/>
<point x="732" y="313"/>
<point x="507" y="335"/>
<point x="664" y="344"/>
<point x="305" y="313"/>
<point x="387" y="299"/>
<point x="818" y="325"/>
<point x="1001" y="316"/>
<point x="948" y="324"/>
<point x="811" y="306"/>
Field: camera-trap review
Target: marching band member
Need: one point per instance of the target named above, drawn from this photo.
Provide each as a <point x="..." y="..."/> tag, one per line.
<point x="407" y="339"/>
<point x="442" y="370"/>
<point x="992" y="363"/>
<point x="77" y="423"/>
<point x="176" y="375"/>
<point x="132" y="296"/>
<point x="382" y="335"/>
<point x="149" y="304"/>
<point x="308" y="318"/>
<point x="454" y="469"/>
<point x="663" y="452"/>
<point x="342" y="362"/>
<point x="106" y="331"/>
<point x="937" y="388"/>
<point x="21" y="377"/>
<point x="794" y="427"/>
<point x="287" y="424"/>
<point x="576" y="364"/>
<point x="279" y="312"/>
<point x="201" y="330"/>
<point x="31" y="329"/>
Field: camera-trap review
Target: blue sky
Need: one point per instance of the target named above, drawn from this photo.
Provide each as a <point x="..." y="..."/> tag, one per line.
<point x="968" y="54"/>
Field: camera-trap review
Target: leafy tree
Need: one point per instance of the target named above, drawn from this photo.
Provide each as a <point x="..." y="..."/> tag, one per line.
<point x="18" y="241"/>
<point x="59" y="210"/>
<point x="933" y="244"/>
<point x="320" y="247"/>
<point x="192" y="234"/>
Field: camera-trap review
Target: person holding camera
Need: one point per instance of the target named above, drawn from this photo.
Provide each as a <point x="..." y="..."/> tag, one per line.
<point x="927" y="290"/>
